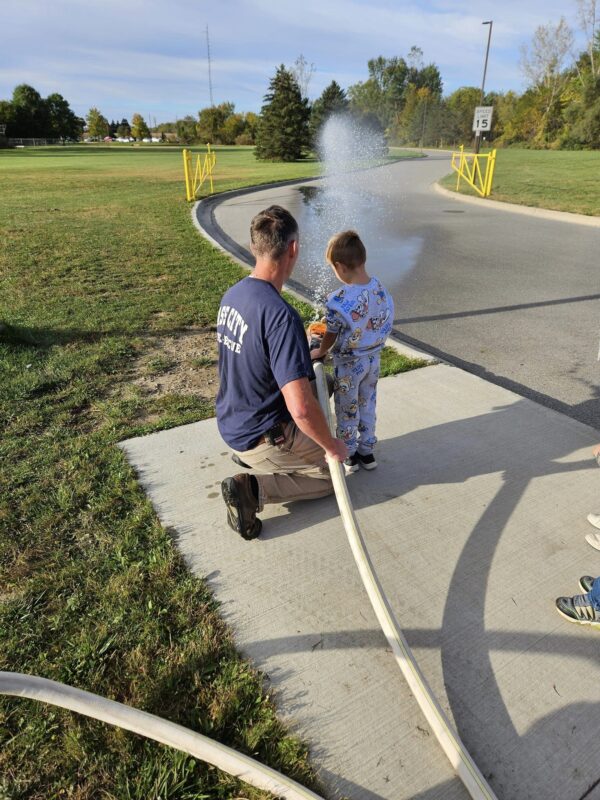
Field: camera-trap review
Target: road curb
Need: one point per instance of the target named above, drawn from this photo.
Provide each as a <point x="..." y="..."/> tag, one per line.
<point x="514" y="208"/>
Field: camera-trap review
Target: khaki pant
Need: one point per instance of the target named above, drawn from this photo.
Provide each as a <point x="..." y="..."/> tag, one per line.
<point x="294" y="470"/>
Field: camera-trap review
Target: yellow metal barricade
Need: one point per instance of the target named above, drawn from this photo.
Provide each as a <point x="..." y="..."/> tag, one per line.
<point x="196" y="175"/>
<point x="470" y="168"/>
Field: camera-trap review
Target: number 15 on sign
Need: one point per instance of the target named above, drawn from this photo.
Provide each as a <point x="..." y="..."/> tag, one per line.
<point x="482" y="121"/>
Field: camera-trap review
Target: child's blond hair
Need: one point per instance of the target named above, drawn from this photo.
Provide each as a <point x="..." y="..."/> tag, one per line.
<point x="346" y="248"/>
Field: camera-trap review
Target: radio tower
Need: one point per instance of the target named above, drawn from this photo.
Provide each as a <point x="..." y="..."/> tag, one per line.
<point x="209" y="69"/>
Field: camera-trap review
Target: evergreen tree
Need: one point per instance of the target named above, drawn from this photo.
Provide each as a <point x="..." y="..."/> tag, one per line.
<point x="332" y="101"/>
<point x="124" y="129"/>
<point x="283" y="133"/>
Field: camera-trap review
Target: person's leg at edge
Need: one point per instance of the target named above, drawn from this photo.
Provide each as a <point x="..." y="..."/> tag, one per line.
<point x="595" y="594"/>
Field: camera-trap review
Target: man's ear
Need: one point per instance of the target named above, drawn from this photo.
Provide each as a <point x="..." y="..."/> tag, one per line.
<point x="293" y="248"/>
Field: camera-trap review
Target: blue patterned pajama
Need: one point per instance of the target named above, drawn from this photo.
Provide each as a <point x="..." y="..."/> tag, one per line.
<point x="355" y="398"/>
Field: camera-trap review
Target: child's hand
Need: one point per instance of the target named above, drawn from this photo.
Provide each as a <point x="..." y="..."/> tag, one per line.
<point x="317" y="354"/>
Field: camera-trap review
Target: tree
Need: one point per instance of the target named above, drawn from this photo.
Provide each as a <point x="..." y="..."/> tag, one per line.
<point x="30" y="112"/>
<point x="62" y="122"/>
<point x="124" y="129"/>
<point x="589" y="19"/>
<point x="186" y="129"/>
<point x="97" y="124"/>
<point x="251" y="119"/>
<point x="391" y="81"/>
<point x="302" y="72"/>
<point x="461" y="105"/>
<point x="283" y="133"/>
<point x="332" y="101"/>
<point x="233" y="127"/>
<point x="211" y="121"/>
<point x="366" y="97"/>
<point x="543" y="65"/>
<point x="139" y="129"/>
<point x="7" y="116"/>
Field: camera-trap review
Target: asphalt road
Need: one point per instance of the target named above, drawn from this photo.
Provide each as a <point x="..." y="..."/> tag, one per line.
<point x="510" y="297"/>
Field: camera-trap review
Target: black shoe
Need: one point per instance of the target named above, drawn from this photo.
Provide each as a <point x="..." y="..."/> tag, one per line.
<point x="368" y="461"/>
<point x="351" y="464"/>
<point x="241" y="505"/>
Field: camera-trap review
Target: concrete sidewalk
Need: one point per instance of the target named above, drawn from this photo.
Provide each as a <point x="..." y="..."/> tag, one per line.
<point x="475" y="521"/>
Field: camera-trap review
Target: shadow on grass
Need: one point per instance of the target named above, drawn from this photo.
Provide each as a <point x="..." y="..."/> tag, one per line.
<point x="41" y="338"/>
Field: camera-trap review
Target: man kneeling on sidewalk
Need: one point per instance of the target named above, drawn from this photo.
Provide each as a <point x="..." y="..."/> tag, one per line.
<point x="267" y="411"/>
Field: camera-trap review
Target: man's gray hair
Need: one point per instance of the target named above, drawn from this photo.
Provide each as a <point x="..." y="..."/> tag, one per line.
<point x="271" y="232"/>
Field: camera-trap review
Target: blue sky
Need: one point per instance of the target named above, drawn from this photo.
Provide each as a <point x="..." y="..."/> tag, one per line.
<point x="148" y="56"/>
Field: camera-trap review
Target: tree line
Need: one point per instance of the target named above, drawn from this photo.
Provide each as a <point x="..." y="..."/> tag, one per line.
<point x="27" y="114"/>
<point x="401" y="96"/>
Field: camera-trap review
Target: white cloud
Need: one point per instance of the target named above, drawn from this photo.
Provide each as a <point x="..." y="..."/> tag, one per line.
<point x="121" y="55"/>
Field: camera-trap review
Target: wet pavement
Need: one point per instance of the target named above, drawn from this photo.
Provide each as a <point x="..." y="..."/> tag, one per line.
<point x="508" y="297"/>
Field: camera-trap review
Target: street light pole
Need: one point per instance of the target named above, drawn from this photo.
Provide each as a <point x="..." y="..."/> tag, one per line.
<point x="489" y="22"/>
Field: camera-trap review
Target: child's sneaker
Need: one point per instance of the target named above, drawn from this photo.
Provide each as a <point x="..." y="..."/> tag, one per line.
<point x="586" y="582"/>
<point x="578" y="609"/>
<point x="368" y="461"/>
<point x="351" y="463"/>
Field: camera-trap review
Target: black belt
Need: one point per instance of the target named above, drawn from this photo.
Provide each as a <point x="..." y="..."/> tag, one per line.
<point x="274" y="436"/>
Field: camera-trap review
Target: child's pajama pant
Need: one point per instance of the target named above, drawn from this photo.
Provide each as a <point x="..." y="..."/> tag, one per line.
<point x="355" y="397"/>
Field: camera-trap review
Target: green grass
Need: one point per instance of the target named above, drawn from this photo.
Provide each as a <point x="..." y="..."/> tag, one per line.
<point x="393" y="362"/>
<point x="561" y="180"/>
<point x="97" y="252"/>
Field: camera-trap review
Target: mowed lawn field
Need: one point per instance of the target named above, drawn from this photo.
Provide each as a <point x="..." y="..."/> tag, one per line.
<point x="563" y="180"/>
<point x="98" y="260"/>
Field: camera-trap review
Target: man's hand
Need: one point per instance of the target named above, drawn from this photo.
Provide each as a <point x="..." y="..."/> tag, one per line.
<point x="337" y="451"/>
<point x="316" y="354"/>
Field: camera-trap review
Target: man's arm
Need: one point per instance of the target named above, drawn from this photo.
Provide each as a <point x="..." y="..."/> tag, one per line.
<point x="308" y="416"/>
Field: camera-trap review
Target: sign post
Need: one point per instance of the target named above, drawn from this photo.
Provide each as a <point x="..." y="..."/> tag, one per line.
<point x="482" y="123"/>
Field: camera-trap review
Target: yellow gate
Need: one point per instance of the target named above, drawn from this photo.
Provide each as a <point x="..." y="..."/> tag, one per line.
<point x="470" y="168"/>
<point x="195" y="176"/>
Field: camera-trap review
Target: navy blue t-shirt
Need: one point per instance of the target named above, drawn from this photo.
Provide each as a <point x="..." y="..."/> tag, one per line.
<point x="262" y="346"/>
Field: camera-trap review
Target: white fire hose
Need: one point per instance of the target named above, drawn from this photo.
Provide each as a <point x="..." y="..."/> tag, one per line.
<point x="452" y="746"/>
<point x="161" y="730"/>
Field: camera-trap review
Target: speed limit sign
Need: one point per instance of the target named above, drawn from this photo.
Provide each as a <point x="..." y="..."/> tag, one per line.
<point x="482" y="121"/>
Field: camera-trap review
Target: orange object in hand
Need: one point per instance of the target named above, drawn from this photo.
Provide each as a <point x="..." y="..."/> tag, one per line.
<point x="316" y="332"/>
<point x="317" y="329"/>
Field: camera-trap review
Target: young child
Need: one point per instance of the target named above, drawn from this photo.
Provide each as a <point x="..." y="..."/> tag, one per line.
<point x="359" y="319"/>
